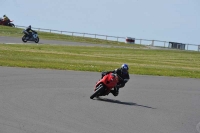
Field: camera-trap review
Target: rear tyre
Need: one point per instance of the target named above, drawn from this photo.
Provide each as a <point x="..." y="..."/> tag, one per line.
<point x="24" y="38"/>
<point x="98" y="91"/>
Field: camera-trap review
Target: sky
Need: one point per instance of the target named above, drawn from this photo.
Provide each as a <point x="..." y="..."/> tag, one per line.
<point x="166" y="20"/>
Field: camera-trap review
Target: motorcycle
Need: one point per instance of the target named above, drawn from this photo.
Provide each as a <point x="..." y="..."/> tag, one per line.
<point x="2" y="22"/>
<point x="34" y="37"/>
<point x="105" y="85"/>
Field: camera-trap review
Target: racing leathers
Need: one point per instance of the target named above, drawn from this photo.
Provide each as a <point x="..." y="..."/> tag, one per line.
<point x="29" y="31"/>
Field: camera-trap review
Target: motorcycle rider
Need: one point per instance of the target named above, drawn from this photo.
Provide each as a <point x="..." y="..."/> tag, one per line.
<point x="123" y="74"/>
<point x="6" y="19"/>
<point x="29" y="31"/>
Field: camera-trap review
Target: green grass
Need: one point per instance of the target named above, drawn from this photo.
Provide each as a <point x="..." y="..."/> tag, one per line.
<point x="141" y="61"/>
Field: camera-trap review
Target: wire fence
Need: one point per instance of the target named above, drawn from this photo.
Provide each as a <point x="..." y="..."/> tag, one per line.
<point x="154" y="43"/>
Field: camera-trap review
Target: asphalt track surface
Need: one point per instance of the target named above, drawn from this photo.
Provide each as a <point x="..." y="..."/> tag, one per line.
<point x="57" y="101"/>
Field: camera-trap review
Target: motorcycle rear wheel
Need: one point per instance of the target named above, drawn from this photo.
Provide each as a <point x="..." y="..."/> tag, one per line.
<point x="98" y="91"/>
<point x="24" y="38"/>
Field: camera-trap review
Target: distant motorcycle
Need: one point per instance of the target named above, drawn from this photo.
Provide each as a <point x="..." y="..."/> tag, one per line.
<point x="2" y="22"/>
<point x="34" y="37"/>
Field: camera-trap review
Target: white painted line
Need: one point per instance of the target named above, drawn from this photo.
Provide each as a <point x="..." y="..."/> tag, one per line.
<point x="13" y="43"/>
<point x="19" y="43"/>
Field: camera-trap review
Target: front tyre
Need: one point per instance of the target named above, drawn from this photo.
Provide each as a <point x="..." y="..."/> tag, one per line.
<point x="24" y="38"/>
<point x="99" y="90"/>
<point x="37" y="40"/>
<point x="12" y="25"/>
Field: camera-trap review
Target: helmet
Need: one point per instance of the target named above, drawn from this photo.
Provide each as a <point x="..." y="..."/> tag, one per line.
<point x="4" y="15"/>
<point x="29" y="26"/>
<point x="124" y="68"/>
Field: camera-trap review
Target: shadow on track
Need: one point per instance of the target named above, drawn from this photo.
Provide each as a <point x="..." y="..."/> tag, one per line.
<point x="124" y="103"/>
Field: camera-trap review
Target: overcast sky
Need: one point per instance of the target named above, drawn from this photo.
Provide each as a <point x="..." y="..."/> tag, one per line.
<point x="167" y="20"/>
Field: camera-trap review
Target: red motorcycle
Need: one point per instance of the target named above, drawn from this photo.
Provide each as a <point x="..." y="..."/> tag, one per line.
<point x="105" y="85"/>
<point x="2" y="22"/>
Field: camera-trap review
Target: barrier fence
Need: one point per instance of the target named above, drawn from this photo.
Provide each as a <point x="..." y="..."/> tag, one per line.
<point x="154" y="43"/>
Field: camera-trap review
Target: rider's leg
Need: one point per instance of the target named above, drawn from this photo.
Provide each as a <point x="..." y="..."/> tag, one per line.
<point x="115" y="92"/>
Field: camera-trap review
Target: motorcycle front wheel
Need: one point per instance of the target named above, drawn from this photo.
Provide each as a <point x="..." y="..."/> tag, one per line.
<point x="99" y="90"/>
<point x="12" y="25"/>
<point x="37" y="40"/>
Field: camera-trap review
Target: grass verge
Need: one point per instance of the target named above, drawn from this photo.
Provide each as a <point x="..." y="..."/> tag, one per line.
<point x="141" y="61"/>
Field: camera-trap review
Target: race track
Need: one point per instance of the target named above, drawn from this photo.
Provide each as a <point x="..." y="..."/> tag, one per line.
<point x="57" y="101"/>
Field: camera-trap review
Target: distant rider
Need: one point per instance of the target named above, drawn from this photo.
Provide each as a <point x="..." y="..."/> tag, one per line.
<point x="29" y="31"/>
<point x="6" y="19"/>
<point x="123" y="73"/>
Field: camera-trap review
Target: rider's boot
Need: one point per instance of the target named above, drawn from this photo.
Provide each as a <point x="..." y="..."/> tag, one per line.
<point x="115" y="92"/>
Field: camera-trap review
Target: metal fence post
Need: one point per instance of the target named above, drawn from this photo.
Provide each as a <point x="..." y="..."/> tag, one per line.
<point x="152" y="43"/>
